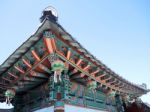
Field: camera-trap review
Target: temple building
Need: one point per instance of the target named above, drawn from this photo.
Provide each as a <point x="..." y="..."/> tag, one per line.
<point x="52" y="72"/>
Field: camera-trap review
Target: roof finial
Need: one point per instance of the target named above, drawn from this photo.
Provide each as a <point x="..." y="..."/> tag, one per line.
<point x="49" y="13"/>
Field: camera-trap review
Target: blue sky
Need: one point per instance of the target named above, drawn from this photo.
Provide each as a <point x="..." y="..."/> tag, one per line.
<point x="117" y="32"/>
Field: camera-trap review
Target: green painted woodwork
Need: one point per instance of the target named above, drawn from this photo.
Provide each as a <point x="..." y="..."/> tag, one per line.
<point x="61" y="88"/>
<point x="112" y="94"/>
<point x="119" y="103"/>
<point x="100" y="96"/>
<point x="92" y="85"/>
<point x="10" y="93"/>
<point x="69" y="92"/>
<point x="52" y="88"/>
<point x="48" y="34"/>
<point x="58" y="66"/>
<point x="59" y="104"/>
<point x="72" y="93"/>
<point x="32" y="100"/>
<point x="40" y="48"/>
<point x="83" y="97"/>
<point x="96" y="105"/>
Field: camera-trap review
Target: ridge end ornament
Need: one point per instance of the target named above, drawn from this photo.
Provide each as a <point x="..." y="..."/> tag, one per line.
<point x="58" y="67"/>
<point x="10" y="94"/>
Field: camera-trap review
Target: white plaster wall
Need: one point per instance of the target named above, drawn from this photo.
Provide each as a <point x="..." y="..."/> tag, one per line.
<point x="70" y="108"/>
<point x="48" y="109"/>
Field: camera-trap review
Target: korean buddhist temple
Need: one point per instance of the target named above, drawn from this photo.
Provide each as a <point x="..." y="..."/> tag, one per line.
<point x="52" y="72"/>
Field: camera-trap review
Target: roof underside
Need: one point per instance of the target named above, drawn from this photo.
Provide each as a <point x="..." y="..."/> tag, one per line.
<point x="45" y="25"/>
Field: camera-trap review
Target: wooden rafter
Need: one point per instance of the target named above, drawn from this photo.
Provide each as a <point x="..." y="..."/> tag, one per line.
<point x="68" y="54"/>
<point x="86" y="67"/>
<point x="19" y="69"/>
<point x="88" y="74"/>
<point x="44" y="68"/>
<point x="3" y="84"/>
<point x="3" y="88"/>
<point x="33" y="79"/>
<point x="27" y="63"/>
<point x="35" y="55"/>
<point x="73" y="71"/>
<point x="13" y="75"/>
<point x="53" y="44"/>
<point x="79" y="62"/>
<point x="109" y="78"/>
<point x="95" y="72"/>
<point x="98" y="77"/>
<point x="29" y="70"/>
<point x="110" y="83"/>
<point x="78" y="76"/>
<point x="37" y="74"/>
<point x="6" y="79"/>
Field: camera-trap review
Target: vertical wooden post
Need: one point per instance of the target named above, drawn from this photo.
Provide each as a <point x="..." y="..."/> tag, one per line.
<point x="59" y="106"/>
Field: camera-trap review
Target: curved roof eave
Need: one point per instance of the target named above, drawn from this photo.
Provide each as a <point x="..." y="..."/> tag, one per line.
<point x="23" y="48"/>
<point x="46" y="24"/>
<point x="115" y="75"/>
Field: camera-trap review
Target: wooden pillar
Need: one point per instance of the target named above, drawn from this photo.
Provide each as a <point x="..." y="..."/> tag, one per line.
<point x="59" y="106"/>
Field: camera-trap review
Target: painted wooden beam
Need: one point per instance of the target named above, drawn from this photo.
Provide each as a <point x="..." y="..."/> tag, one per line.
<point x="3" y="84"/>
<point x="112" y="82"/>
<point x="98" y="77"/>
<point x="24" y="86"/>
<point x="86" y="67"/>
<point x="110" y="77"/>
<point x="68" y="54"/>
<point x="107" y="78"/>
<point x="84" y="80"/>
<point x="77" y="76"/>
<point x="19" y="69"/>
<point x="44" y="68"/>
<point x="95" y="72"/>
<point x="6" y="79"/>
<point x="37" y="74"/>
<point x="81" y="75"/>
<point x="115" y="83"/>
<point x="27" y="82"/>
<point x="48" y="45"/>
<point x="53" y="44"/>
<point x="3" y="88"/>
<point x="79" y="62"/>
<point x="73" y="71"/>
<point x="120" y="85"/>
<point x="35" y="55"/>
<point x="88" y="74"/>
<point x="13" y="75"/>
<point x="33" y="79"/>
<point x="67" y="65"/>
<point x="27" y="63"/>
